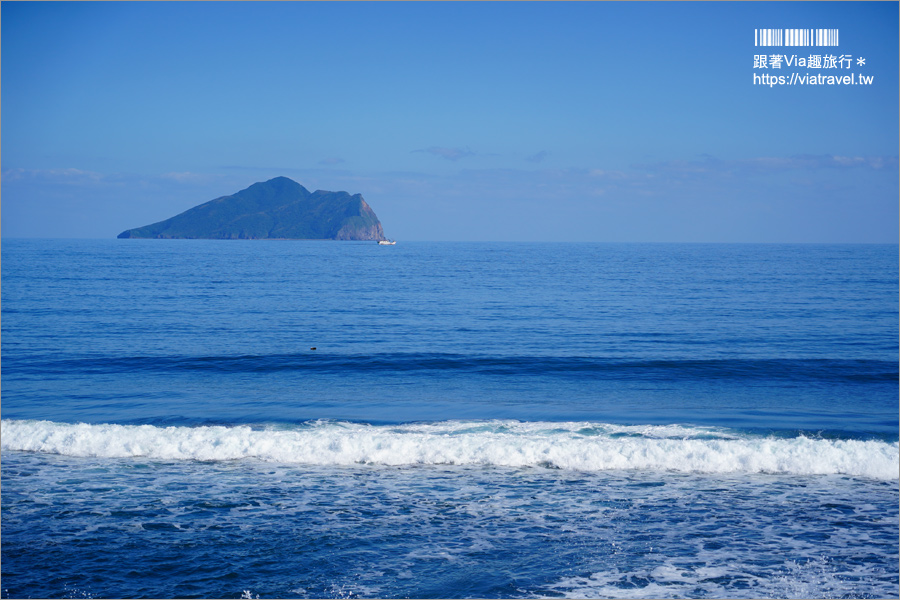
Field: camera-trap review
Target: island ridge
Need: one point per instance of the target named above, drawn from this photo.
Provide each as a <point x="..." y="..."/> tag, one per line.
<point x="279" y="208"/>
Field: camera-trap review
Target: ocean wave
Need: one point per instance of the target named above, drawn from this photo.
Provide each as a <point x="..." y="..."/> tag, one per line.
<point x="575" y="446"/>
<point x="793" y="369"/>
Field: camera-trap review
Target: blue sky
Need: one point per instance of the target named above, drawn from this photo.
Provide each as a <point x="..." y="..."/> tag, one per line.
<point x="509" y="121"/>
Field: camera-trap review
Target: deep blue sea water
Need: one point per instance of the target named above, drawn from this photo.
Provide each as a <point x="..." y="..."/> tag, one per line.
<point x="189" y="418"/>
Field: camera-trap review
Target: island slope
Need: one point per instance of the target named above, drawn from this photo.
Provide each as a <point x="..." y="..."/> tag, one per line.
<point x="276" y="209"/>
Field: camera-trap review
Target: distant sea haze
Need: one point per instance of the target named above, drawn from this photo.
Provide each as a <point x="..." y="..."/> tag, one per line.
<point x="467" y="420"/>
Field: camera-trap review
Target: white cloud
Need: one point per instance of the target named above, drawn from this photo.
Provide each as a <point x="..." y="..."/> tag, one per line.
<point x="453" y="154"/>
<point x="186" y="177"/>
<point x="538" y="157"/>
<point x="70" y="175"/>
<point x="605" y="174"/>
<point x="712" y="166"/>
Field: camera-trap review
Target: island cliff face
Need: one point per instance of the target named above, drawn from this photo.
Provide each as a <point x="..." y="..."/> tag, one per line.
<point x="276" y="209"/>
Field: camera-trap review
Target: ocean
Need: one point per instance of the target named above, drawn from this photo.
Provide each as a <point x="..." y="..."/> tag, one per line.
<point x="310" y="419"/>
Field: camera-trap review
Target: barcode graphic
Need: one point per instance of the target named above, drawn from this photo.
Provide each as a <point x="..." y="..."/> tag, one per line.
<point x="796" y="37"/>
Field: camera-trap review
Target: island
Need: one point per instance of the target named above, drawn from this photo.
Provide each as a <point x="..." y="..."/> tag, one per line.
<point x="279" y="208"/>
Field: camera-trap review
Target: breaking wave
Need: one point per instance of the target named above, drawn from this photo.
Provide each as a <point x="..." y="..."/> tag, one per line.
<point x="575" y="446"/>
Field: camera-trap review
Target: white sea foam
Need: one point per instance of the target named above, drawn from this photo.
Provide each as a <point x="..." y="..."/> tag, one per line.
<point x="571" y="446"/>
<point x="814" y="578"/>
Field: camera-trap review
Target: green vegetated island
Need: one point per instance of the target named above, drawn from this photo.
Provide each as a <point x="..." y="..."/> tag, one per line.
<point x="276" y="209"/>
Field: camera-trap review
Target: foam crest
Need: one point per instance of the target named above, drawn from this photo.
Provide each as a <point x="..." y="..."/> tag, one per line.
<point x="571" y="446"/>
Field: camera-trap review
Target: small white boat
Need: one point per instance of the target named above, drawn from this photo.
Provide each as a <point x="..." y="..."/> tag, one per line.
<point x="386" y="242"/>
